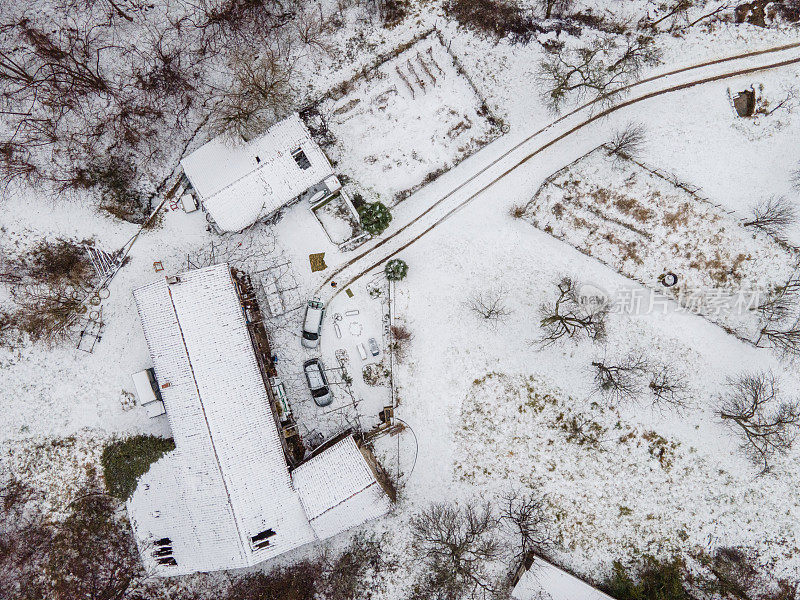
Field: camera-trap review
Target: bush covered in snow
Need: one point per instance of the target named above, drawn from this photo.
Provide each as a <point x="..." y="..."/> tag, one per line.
<point x="375" y="217"/>
<point x="124" y="461"/>
<point x="396" y="270"/>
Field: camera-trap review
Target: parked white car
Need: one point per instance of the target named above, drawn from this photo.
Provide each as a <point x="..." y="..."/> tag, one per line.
<point x="312" y="324"/>
<point x="317" y="382"/>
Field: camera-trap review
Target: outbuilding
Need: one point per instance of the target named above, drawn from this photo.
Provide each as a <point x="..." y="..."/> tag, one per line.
<point x="240" y="183"/>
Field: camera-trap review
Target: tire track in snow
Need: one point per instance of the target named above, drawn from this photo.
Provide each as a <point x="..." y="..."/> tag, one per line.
<point x="592" y="118"/>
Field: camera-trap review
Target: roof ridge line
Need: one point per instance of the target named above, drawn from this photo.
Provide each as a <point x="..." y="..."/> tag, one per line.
<point x="208" y="426"/>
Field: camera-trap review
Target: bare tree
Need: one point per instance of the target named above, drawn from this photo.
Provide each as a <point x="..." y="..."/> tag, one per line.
<point x="773" y="216"/>
<point x="668" y="387"/>
<point x="673" y="10"/>
<point x="598" y="71"/>
<point x="627" y="142"/>
<point x="251" y="251"/>
<point x="262" y="92"/>
<point x="780" y="319"/>
<point x="766" y="424"/>
<point x="525" y="516"/>
<point x="781" y="304"/>
<point x="554" y="8"/>
<point x="620" y="380"/>
<point x="313" y="26"/>
<point x="490" y="305"/>
<point x="571" y="315"/>
<point x="401" y="339"/>
<point x="785" y="339"/>
<point x="16" y="164"/>
<point x="795" y="179"/>
<point x="582" y="429"/>
<point x="455" y="543"/>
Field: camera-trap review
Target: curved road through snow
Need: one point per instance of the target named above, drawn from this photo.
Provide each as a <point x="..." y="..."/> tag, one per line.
<point x="412" y="227"/>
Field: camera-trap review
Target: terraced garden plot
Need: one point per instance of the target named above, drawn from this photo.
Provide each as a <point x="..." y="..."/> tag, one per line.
<point x="404" y="123"/>
<point x="644" y="224"/>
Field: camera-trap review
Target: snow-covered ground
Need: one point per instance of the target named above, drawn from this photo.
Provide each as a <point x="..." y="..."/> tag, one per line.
<point x="479" y="436"/>
<point x="462" y="382"/>
<point x="405" y="122"/>
<point x="644" y="224"/>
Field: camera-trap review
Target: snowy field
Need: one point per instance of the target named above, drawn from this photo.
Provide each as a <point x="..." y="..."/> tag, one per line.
<point x="641" y="223"/>
<point x="487" y="408"/>
<point x="406" y="122"/>
<point x="501" y="418"/>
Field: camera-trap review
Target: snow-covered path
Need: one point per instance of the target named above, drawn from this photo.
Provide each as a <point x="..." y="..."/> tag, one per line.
<point x="432" y="205"/>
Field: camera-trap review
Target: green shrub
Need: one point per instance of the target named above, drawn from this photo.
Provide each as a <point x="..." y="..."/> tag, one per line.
<point x="655" y="580"/>
<point x="124" y="461"/>
<point x="395" y="269"/>
<point x="375" y="217"/>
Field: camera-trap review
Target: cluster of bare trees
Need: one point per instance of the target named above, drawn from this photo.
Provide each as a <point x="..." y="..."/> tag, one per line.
<point x="727" y="573"/>
<point x="766" y="423"/>
<point x="344" y="575"/>
<point x="738" y="573"/>
<point x="104" y="96"/>
<point x="625" y="380"/>
<point x="779" y="316"/>
<point x="600" y="70"/>
<point x="89" y="554"/>
<point x="49" y="283"/>
<point x="461" y="553"/>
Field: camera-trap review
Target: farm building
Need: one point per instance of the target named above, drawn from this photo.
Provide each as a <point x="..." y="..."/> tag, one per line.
<point x="241" y="183"/>
<point x="545" y="581"/>
<point x="225" y="497"/>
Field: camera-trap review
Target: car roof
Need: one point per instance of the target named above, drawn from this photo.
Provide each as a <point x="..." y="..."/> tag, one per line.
<point x="313" y="317"/>
<point x="313" y="369"/>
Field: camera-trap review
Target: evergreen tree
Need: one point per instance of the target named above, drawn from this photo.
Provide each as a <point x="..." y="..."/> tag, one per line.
<point x="375" y="217"/>
<point x="396" y="269"/>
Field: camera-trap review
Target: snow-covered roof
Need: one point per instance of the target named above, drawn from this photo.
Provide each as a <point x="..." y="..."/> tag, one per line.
<point x="339" y="490"/>
<point x="544" y="581"/>
<point x="233" y="479"/>
<point x="227" y="480"/>
<point x="239" y="183"/>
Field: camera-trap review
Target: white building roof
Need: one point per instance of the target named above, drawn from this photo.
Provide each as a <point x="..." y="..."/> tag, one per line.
<point x="339" y="490"/>
<point x="227" y="480"/>
<point x="240" y="183"/>
<point x="544" y="581"/>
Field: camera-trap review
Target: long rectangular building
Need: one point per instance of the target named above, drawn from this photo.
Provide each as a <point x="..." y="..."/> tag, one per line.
<point x="225" y="498"/>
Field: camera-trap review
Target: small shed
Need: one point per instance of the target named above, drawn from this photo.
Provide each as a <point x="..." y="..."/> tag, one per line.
<point x="545" y="581"/>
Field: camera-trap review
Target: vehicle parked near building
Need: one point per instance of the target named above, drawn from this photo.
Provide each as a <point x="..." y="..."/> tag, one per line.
<point x="312" y="324"/>
<point x="317" y="382"/>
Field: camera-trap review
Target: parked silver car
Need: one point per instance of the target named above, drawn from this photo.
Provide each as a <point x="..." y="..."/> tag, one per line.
<point x="312" y="324"/>
<point x="317" y="382"/>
